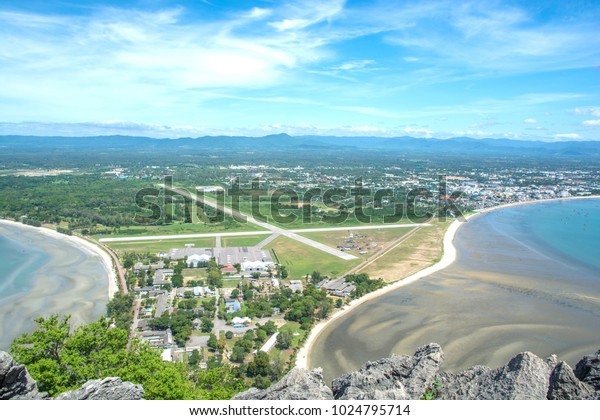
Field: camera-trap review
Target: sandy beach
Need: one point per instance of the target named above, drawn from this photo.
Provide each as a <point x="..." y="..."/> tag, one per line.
<point x="82" y="244"/>
<point x="48" y="273"/>
<point x="449" y="256"/>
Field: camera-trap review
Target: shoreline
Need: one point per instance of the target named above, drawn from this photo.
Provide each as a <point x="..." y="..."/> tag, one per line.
<point x="80" y="243"/>
<point x="448" y="257"/>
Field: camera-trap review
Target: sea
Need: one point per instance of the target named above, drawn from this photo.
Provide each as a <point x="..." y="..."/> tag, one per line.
<point x="526" y="278"/>
<point x="41" y="275"/>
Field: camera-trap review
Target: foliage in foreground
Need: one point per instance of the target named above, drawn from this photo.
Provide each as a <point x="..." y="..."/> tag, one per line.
<point x="60" y="359"/>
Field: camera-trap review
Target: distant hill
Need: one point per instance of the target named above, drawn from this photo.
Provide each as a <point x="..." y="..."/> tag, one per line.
<point x="284" y="142"/>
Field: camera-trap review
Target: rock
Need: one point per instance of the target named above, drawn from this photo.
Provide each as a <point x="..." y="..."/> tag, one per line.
<point x="104" y="389"/>
<point x="588" y="370"/>
<point x="15" y="381"/>
<point x="524" y="377"/>
<point x="394" y="378"/>
<point x="298" y="384"/>
<point x="564" y="385"/>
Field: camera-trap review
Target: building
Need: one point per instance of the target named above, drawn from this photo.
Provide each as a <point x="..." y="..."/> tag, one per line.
<point x="229" y="269"/>
<point x="296" y="286"/>
<point x="198" y="260"/>
<point x="239" y="322"/>
<point x="189" y="251"/>
<point x="337" y="287"/>
<point x="162" y="276"/>
<point x="233" y="306"/>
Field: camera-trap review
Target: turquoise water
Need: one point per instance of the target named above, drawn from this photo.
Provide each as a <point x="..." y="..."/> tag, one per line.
<point x="526" y="278"/>
<point x="42" y="275"/>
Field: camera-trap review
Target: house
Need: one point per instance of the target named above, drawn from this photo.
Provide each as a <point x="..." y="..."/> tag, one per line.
<point x="162" y="276"/>
<point x="229" y="269"/>
<point x="274" y="282"/>
<point x="257" y="266"/>
<point x="296" y="286"/>
<point x="240" y="322"/>
<point x="183" y="253"/>
<point x="337" y="287"/>
<point x="233" y="306"/>
<point x="155" y="338"/>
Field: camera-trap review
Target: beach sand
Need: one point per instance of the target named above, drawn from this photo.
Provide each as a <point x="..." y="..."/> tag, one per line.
<point x="370" y="329"/>
<point x="78" y="282"/>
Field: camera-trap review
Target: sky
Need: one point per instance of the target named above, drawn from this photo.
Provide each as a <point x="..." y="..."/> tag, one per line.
<point x="526" y="70"/>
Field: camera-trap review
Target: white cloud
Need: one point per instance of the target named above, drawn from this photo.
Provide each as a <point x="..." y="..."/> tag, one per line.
<point x="593" y="111"/>
<point x="410" y="59"/>
<point x="591" y="123"/>
<point x="418" y="132"/>
<point x="530" y="121"/>
<point x="305" y="13"/>
<point x="567" y="136"/>
<point x="354" y="65"/>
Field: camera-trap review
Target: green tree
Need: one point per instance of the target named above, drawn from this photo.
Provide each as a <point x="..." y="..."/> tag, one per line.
<point x="284" y="339"/>
<point x="316" y="277"/>
<point x="212" y="342"/>
<point x="195" y="358"/>
<point x="207" y="325"/>
<point x="229" y="335"/>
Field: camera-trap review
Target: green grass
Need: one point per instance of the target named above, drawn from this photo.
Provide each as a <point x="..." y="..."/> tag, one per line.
<point x="301" y="259"/>
<point x="233" y="241"/>
<point x="295" y="328"/>
<point x="231" y="283"/>
<point x="181" y="229"/>
<point x="155" y="246"/>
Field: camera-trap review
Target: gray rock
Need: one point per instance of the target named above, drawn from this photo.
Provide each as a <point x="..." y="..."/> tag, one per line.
<point x="588" y="370"/>
<point x="394" y="378"/>
<point x="15" y="381"/>
<point x="104" y="389"/>
<point x="298" y="384"/>
<point x="565" y="386"/>
<point x="524" y="377"/>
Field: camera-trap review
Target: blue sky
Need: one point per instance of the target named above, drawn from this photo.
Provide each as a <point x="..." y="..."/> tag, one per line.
<point x="515" y="69"/>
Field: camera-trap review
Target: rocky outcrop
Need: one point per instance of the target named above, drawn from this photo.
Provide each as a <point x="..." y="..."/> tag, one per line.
<point x="394" y="378"/>
<point x="588" y="370"/>
<point x="525" y="376"/>
<point x="298" y="384"/>
<point x="104" y="389"/>
<point x="15" y="383"/>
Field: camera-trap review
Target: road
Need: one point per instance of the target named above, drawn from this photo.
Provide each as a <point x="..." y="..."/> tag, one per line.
<point x="271" y="228"/>
<point x="134" y="323"/>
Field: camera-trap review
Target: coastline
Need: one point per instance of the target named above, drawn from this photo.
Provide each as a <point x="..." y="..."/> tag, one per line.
<point x="448" y="257"/>
<point x="80" y="243"/>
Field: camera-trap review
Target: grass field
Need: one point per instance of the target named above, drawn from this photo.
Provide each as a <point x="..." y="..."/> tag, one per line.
<point x="181" y="229"/>
<point x="233" y="241"/>
<point x="301" y="259"/>
<point x="419" y="251"/>
<point x="370" y="240"/>
<point x="160" y="245"/>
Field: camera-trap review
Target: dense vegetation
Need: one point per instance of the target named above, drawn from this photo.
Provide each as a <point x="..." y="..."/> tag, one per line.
<point x="61" y="359"/>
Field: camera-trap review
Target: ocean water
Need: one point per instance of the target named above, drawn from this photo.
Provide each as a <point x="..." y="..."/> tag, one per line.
<point x="526" y="278"/>
<point x="40" y="276"/>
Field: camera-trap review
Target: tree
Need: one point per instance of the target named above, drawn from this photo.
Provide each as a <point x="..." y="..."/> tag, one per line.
<point x="316" y="277"/>
<point x="212" y="342"/>
<point x="270" y="327"/>
<point x="215" y="278"/>
<point x="177" y="280"/>
<point x="207" y="325"/>
<point x="339" y="303"/>
<point x="325" y="308"/>
<point x="238" y="353"/>
<point x="255" y="275"/>
<point x="229" y="335"/>
<point x="195" y="358"/>
<point x="283" y="272"/>
<point x="235" y="293"/>
<point x="284" y="339"/>
<point x="259" y="366"/>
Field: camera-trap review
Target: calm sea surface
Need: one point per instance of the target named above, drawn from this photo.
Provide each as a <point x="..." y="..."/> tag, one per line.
<point x="40" y="276"/>
<point x="527" y="278"/>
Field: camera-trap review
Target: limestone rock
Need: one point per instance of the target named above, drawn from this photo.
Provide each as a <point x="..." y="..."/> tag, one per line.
<point x="396" y="377"/>
<point x="588" y="370"/>
<point x="104" y="389"/>
<point x="15" y="381"/>
<point x="565" y="386"/>
<point x="524" y="377"/>
<point x="297" y="384"/>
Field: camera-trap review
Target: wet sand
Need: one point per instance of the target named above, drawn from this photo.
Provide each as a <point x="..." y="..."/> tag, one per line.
<point x="57" y="274"/>
<point x="500" y="296"/>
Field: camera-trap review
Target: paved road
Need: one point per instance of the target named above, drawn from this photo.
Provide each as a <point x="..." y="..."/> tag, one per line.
<point x="264" y="225"/>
